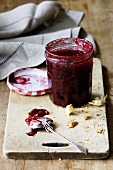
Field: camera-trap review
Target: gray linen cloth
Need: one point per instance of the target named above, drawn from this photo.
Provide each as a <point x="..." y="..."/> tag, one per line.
<point x="25" y="30"/>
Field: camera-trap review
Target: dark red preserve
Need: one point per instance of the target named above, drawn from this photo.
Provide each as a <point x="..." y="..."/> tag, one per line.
<point x="69" y="67"/>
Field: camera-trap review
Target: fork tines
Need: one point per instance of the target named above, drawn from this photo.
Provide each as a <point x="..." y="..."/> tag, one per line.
<point x="47" y="126"/>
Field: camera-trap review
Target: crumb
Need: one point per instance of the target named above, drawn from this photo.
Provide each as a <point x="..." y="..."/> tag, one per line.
<point x="87" y="139"/>
<point x="97" y="114"/>
<point x="86" y="127"/>
<point x="59" y="159"/>
<point x="69" y="109"/>
<point x="87" y="117"/>
<point x="100" y="130"/>
<point x="100" y="124"/>
<point x="72" y="124"/>
<point x="98" y="101"/>
<point x="84" y="109"/>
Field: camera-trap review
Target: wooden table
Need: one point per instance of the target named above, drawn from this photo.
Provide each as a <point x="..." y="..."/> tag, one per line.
<point x="98" y="21"/>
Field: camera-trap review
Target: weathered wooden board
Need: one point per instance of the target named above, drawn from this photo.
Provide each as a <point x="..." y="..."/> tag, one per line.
<point x="20" y="146"/>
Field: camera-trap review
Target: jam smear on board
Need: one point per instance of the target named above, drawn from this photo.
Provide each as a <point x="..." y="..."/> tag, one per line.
<point x="34" y="120"/>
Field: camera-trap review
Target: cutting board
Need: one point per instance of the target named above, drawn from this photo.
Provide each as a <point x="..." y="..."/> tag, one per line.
<point x="18" y="145"/>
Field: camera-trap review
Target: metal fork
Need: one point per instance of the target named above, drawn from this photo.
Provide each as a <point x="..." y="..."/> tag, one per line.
<point x="49" y="128"/>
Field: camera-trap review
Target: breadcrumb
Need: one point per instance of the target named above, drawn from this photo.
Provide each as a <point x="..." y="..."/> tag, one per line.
<point x="98" y="101"/>
<point x="101" y="130"/>
<point x="69" y="109"/>
<point x="87" y="117"/>
<point x="97" y="114"/>
<point x="86" y="139"/>
<point x="86" y="127"/>
<point x="72" y="123"/>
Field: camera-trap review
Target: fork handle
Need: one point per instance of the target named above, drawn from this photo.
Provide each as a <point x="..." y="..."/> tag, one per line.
<point x="79" y="147"/>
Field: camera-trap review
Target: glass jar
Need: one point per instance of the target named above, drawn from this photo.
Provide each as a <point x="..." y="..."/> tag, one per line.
<point x="69" y="67"/>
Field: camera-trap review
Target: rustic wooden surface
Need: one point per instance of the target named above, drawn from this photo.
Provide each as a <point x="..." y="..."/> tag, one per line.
<point x="98" y="21"/>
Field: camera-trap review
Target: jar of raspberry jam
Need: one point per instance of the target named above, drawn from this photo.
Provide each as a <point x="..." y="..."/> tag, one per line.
<point x="69" y="67"/>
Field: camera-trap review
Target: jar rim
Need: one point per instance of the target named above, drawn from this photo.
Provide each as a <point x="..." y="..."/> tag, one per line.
<point x="78" y="42"/>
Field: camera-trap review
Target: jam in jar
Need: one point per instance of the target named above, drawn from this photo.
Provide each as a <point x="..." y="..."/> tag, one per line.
<point x="69" y="67"/>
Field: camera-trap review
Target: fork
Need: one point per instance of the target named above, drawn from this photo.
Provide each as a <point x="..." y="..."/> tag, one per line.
<point x="49" y="128"/>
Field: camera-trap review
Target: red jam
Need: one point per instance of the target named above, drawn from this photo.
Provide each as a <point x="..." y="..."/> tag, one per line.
<point x="24" y="79"/>
<point x="34" y="120"/>
<point x="35" y="114"/>
<point x="69" y="65"/>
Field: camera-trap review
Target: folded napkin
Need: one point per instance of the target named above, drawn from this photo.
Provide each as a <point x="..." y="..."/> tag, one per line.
<point x="25" y="30"/>
<point x="26" y="17"/>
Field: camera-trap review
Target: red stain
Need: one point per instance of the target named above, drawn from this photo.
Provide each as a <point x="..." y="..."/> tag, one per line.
<point x="37" y="116"/>
<point x="24" y="79"/>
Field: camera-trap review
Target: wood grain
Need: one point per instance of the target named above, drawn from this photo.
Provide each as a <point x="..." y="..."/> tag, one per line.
<point x="97" y="21"/>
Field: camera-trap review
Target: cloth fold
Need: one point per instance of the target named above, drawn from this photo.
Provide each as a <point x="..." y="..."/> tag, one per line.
<point x="26" y="17"/>
<point x="23" y="37"/>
